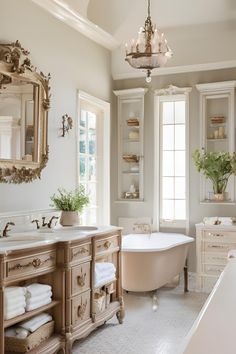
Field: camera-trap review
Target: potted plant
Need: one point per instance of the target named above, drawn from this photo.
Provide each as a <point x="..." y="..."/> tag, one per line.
<point x="217" y="167"/>
<point x="70" y="203"/>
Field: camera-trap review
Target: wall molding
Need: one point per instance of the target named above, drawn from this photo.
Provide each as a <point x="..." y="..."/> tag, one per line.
<point x="177" y="70"/>
<point x="64" y="13"/>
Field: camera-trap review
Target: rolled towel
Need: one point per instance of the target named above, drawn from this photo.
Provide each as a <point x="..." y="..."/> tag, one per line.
<point x="10" y="332"/>
<point x="104" y="280"/>
<point x="35" y="299"/>
<point x="14" y="291"/>
<point x="38" y="304"/>
<point x="37" y="289"/>
<point x="11" y="314"/>
<point x="12" y="307"/>
<point x="34" y="323"/>
<point x="22" y="333"/>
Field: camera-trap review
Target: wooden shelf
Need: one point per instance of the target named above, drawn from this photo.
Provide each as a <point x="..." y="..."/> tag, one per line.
<point x="30" y="314"/>
<point x="48" y="346"/>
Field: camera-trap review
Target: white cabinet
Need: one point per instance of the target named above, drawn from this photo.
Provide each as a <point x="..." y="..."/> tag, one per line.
<point x="213" y="244"/>
<point x="130" y="144"/>
<point x="217" y="129"/>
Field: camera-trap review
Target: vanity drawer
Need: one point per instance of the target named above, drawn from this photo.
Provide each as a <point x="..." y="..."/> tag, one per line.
<point x="218" y="247"/>
<point x="107" y="244"/>
<point x="80" y="278"/>
<point x="28" y="265"/>
<point x="220" y="236"/>
<point x="80" y="308"/>
<point x="215" y="258"/>
<point x="212" y="269"/>
<point x="81" y="253"/>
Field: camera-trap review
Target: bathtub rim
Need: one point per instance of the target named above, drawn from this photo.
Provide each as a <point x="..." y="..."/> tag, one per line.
<point x="188" y="239"/>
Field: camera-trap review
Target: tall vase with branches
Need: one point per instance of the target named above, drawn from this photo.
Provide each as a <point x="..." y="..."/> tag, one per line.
<point x="217" y="167"/>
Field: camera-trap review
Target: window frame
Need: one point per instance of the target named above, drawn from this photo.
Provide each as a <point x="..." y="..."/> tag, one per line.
<point x="179" y="94"/>
<point x="104" y="174"/>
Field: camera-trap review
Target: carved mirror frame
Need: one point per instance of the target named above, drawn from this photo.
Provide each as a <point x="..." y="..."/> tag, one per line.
<point x="16" y="65"/>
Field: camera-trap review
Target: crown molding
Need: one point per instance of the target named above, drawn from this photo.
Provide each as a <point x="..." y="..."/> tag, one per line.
<point x="127" y="92"/>
<point x="63" y="12"/>
<point x="173" y="90"/>
<point x="177" y="70"/>
<point x="216" y="86"/>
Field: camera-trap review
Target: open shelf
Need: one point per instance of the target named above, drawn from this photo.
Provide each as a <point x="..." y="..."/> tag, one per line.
<point x="29" y="314"/>
<point x="105" y="284"/>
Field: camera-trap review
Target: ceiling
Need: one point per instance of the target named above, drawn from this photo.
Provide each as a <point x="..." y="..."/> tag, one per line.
<point x="208" y="27"/>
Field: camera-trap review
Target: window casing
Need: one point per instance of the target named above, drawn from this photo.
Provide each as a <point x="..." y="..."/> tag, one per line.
<point x="171" y="161"/>
<point x="94" y="158"/>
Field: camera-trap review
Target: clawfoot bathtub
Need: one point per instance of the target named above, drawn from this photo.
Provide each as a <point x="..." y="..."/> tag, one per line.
<point x="150" y="261"/>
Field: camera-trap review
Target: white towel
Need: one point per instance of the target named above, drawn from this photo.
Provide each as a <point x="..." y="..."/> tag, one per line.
<point x="12" y="301"/>
<point x="38" y="304"/>
<point x="104" y="266"/>
<point x="14" y="291"/>
<point x="10" y="332"/>
<point x="37" y="289"/>
<point x="8" y="307"/>
<point x="34" y="323"/>
<point x="11" y="314"/>
<point x="21" y="333"/>
<point x="35" y="299"/>
<point x="104" y="280"/>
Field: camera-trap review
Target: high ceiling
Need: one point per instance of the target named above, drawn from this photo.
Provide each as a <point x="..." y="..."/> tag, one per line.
<point x="199" y="31"/>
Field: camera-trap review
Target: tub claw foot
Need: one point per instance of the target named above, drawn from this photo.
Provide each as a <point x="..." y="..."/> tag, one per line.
<point x="121" y="313"/>
<point x="155" y="302"/>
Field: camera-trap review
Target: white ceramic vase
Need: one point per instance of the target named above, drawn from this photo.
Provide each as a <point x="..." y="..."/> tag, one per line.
<point x="69" y="218"/>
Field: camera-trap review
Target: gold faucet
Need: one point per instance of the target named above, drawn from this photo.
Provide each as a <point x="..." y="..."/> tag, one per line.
<point x="5" y="231"/>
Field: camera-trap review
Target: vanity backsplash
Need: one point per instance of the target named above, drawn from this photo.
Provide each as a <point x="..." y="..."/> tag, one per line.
<point x="23" y="220"/>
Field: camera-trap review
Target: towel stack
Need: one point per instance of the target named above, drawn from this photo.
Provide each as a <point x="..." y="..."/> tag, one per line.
<point x="24" y="329"/>
<point x="104" y="273"/>
<point x="14" y="302"/>
<point x="38" y="295"/>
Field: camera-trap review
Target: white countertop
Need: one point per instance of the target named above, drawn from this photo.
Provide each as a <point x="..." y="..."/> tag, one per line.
<point x="214" y="331"/>
<point x="29" y="239"/>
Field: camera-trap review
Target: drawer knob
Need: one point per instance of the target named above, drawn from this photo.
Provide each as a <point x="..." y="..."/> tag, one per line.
<point x="81" y="279"/>
<point x="107" y="244"/>
<point x="36" y="262"/>
<point x="81" y="310"/>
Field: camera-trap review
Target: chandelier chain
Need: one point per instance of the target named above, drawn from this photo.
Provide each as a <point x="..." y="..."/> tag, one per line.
<point x="149" y="9"/>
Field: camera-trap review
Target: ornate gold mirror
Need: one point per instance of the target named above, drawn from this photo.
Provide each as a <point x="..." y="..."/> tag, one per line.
<point x="24" y="105"/>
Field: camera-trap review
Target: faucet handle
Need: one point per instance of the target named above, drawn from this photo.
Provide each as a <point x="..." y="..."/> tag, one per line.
<point x="36" y="221"/>
<point x="5" y="231"/>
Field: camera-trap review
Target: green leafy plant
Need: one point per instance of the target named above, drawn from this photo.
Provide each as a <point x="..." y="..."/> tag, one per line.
<point x="70" y="201"/>
<point x="217" y="167"/>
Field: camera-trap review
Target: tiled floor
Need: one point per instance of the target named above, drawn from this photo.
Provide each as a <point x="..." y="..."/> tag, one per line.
<point x="145" y="331"/>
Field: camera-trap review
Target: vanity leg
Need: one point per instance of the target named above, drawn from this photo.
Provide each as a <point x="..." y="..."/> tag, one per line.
<point x="121" y="313"/>
<point x="186" y="277"/>
<point x="69" y="344"/>
<point x="2" y="350"/>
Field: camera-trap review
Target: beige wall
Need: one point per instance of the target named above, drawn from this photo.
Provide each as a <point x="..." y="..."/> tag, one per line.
<point x="197" y="211"/>
<point x="75" y="63"/>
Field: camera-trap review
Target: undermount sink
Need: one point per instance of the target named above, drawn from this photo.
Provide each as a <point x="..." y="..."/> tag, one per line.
<point x="23" y="237"/>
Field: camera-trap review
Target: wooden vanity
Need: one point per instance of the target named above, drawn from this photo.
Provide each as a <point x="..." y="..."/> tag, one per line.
<point x="69" y="266"/>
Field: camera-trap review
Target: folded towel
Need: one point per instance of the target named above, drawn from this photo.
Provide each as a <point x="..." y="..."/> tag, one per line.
<point x="37" y="289"/>
<point x="104" y="266"/>
<point x="15" y="300"/>
<point x="104" y="280"/>
<point x="29" y="296"/>
<point x="35" y="299"/>
<point x="38" y="304"/>
<point x="14" y="291"/>
<point x="34" y="323"/>
<point x="11" y="314"/>
<point x="8" y="307"/>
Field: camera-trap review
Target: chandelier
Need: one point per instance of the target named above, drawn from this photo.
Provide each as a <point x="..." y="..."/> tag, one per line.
<point x="150" y="50"/>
